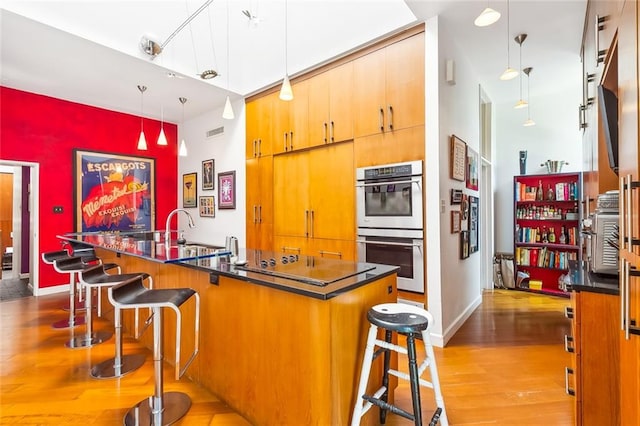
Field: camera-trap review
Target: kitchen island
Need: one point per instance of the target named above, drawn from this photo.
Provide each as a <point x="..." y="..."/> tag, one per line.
<point x="282" y="338"/>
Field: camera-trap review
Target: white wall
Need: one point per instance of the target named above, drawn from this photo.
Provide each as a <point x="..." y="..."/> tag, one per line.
<point x="228" y="151"/>
<point x="454" y="288"/>
<point x="554" y="137"/>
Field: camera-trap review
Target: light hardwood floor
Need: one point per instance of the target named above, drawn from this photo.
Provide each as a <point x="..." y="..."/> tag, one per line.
<point x="505" y="366"/>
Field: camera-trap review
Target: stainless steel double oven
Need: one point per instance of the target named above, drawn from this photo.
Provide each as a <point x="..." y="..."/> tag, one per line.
<point x="390" y="219"/>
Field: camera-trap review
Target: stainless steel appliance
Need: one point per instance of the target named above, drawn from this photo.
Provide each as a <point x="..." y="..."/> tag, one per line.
<point x="390" y="196"/>
<point x="602" y="238"/>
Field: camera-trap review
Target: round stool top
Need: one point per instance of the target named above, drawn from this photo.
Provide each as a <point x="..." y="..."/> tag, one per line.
<point x="400" y="317"/>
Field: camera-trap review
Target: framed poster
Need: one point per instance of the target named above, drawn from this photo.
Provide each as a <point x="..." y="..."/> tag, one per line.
<point x="207" y="206"/>
<point x="473" y="224"/>
<point x="458" y="158"/>
<point x="455" y="221"/>
<point x="208" y="173"/>
<point x="227" y="190"/>
<point x="464" y="244"/>
<point x="456" y="196"/>
<point x="472" y="169"/>
<point x="113" y="192"/>
<point x="189" y="190"/>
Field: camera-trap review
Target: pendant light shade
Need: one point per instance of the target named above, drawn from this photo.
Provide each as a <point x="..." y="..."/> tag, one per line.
<point x="509" y="73"/>
<point x="529" y="122"/>
<point x="227" y="113"/>
<point x="487" y="17"/>
<point x="286" y="93"/>
<point x="520" y="38"/>
<point x="228" y="110"/>
<point x="182" y="151"/>
<point x="162" y="138"/>
<point x="142" y="141"/>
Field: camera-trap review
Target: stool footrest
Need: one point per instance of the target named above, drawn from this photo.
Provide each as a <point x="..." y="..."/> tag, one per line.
<point x="391" y="346"/>
<point x="174" y="406"/>
<point x="386" y="406"/>
<point x="109" y="370"/>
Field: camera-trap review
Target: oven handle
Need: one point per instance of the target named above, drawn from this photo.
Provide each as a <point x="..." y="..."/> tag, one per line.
<point x="389" y="243"/>
<point x="395" y="182"/>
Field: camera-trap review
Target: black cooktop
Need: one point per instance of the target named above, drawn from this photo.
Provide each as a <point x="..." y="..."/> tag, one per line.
<point x="306" y="269"/>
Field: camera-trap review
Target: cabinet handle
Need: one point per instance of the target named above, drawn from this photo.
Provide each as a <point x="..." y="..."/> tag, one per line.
<point x="381" y="122"/>
<point x="306" y="223"/>
<point x="623" y="213"/>
<point x="582" y="123"/>
<point x="567" y="340"/>
<point x="568" y="312"/>
<point x="330" y="253"/>
<point x="255" y="216"/>
<point x="291" y="140"/>
<point x="284" y="141"/>
<point x="628" y="205"/>
<point x="390" y="117"/>
<point x="259" y="147"/>
<point x="311" y="227"/>
<point x="255" y="147"/>
<point x="600" y="54"/>
<point x="259" y="214"/>
<point x="285" y="249"/>
<point x="325" y="131"/>
<point x="624" y="279"/>
<point x="569" y="391"/>
<point x="332" y="132"/>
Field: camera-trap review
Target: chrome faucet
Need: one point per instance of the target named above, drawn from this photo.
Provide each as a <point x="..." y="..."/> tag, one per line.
<point x="167" y="231"/>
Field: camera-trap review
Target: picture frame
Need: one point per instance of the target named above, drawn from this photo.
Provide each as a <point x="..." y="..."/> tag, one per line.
<point x="473" y="223"/>
<point x="208" y="175"/>
<point x="189" y="190"/>
<point x="472" y="169"/>
<point x="458" y="158"/>
<point x="113" y="192"/>
<point x="456" y="196"/>
<point x="464" y="244"/>
<point x="207" y="206"/>
<point x="227" y="190"/>
<point x="455" y="221"/>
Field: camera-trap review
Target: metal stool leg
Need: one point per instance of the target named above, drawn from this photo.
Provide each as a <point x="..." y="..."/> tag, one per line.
<point x="73" y="320"/>
<point x="89" y="338"/>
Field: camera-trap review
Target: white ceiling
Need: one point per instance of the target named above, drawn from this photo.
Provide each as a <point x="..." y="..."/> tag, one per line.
<point x="88" y="51"/>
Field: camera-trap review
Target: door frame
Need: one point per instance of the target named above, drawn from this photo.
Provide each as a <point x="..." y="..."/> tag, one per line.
<point x="34" y="218"/>
<point x="486" y="191"/>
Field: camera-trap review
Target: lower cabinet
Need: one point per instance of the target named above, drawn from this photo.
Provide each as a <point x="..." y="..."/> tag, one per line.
<point x="320" y="247"/>
<point x="596" y="358"/>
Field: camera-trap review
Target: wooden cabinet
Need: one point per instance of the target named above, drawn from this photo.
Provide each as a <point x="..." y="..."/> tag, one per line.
<point x="314" y="197"/>
<point x="595" y="358"/>
<point x="259" y="210"/>
<point x="331" y="106"/>
<point x="385" y="148"/>
<point x="291" y="120"/>
<point x="258" y="119"/>
<point x="388" y="88"/>
<point x="546" y="234"/>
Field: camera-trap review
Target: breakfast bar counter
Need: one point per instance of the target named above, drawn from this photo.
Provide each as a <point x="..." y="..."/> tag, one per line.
<point x="282" y="338"/>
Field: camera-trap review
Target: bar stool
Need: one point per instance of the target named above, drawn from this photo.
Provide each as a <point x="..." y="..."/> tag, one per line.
<point x="410" y="321"/>
<point x="96" y="277"/>
<point x="160" y="408"/>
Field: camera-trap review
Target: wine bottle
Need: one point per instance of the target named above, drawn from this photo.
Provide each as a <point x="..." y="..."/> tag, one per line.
<point x="539" y="193"/>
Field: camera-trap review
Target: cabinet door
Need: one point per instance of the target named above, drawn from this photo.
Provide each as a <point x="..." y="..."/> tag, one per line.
<point x="333" y="249"/>
<point x="291" y="245"/>
<point x="291" y="195"/>
<point x="299" y="116"/>
<point x="259" y="211"/>
<point x="402" y="145"/>
<point x="369" y="93"/>
<point x="319" y="109"/>
<point x="280" y="129"/>
<point x="258" y="127"/>
<point x="630" y="362"/>
<point x="332" y="191"/>
<point x="404" y="91"/>
<point x="340" y="126"/>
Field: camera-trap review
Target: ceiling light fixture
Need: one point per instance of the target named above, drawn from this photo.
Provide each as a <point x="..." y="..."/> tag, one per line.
<point x="182" y="152"/>
<point x="487" y="17"/>
<point x="142" y="141"/>
<point x="520" y="38"/>
<point x="529" y="122"/>
<point x="227" y="113"/>
<point x="162" y="138"/>
<point x="509" y="73"/>
<point x="286" y="93"/>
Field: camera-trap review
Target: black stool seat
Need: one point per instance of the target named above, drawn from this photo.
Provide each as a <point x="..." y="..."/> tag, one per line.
<point x="134" y="294"/>
<point x="400" y="322"/>
<point x="96" y="275"/>
<point x="52" y="256"/>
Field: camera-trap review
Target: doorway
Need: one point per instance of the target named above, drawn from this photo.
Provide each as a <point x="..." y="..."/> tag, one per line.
<point x="486" y="191"/>
<point x="19" y="216"/>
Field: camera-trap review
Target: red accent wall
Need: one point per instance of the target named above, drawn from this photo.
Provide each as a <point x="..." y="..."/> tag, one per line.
<point x="45" y="130"/>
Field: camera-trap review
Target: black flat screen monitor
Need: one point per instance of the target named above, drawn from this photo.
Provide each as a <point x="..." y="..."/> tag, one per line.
<point x="608" y="102"/>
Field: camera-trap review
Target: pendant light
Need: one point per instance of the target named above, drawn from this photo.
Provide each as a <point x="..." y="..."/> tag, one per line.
<point x="142" y="141"/>
<point x="227" y="113"/>
<point x="529" y="122"/>
<point x="509" y="73"/>
<point x="520" y="38"/>
<point x="162" y="138"/>
<point x="286" y="93"/>
<point x="487" y="17"/>
<point x="182" y="152"/>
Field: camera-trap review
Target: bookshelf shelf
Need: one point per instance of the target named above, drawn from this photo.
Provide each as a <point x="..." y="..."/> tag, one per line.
<point x="546" y="237"/>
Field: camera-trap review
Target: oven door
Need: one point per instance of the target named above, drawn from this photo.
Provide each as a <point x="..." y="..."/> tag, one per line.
<point x="402" y="249"/>
<point x="390" y="204"/>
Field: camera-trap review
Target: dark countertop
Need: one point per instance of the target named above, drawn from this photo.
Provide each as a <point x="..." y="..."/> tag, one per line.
<point x="598" y="283"/>
<point x="316" y="277"/>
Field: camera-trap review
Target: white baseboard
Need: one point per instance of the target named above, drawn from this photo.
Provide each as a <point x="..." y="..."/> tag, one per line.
<point x="64" y="288"/>
<point x="460" y="320"/>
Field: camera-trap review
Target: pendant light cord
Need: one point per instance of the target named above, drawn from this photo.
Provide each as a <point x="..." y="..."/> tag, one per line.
<point x="508" y="32"/>
<point x="213" y="46"/>
<point x="228" y="37"/>
<point x="193" y="44"/>
<point x="286" y="38"/>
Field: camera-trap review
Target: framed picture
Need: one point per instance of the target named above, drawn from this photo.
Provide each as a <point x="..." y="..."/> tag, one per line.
<point x="113" y="192"/>
<point x="208" y="175"/>
<point x="189" y="190"/>
<point x="458" y="158"/>
<point x="464" y="244"/>
<point x="472" y="169"/>
<point x="227" y="190"/>
<point x="455" y="221"/>
<point x="207" y="206"/>
<point x="456" y="196"/>
<point x="473" y="224"/>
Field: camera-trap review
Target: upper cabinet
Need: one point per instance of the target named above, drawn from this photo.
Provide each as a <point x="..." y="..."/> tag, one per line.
<point x="258" y="142"/>
<point x="290" y="126"/>
<point x="388" y="88"/>
<point x="331" y="106"/>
